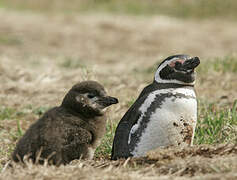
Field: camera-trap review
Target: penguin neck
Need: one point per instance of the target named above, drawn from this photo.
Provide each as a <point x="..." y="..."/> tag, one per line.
<point x="157" y="86"/>
<point x="171" y="85"/>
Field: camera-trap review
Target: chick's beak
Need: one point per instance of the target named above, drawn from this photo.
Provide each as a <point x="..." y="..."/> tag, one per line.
<point x="107" y="101"/>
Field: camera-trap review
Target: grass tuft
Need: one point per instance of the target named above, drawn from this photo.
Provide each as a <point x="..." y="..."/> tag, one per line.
<point x="105" y="148"/>
<point x="10" y="40"/>
<point x="223" y="65"/>
<point x="19" y="129"/>
<point x="7" y="113"/>
<point x="40" y="110"/>
<point x="71" y="63"/>
<point x="216" y="125"/>
<point x="130" y="102"/>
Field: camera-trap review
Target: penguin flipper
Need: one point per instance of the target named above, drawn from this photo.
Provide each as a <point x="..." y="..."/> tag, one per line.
<point x="120" y="147"/>
<point x="120" y="144"/>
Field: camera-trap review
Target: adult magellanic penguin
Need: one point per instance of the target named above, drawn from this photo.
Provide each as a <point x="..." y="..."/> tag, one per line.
<point x="165" y="112"/>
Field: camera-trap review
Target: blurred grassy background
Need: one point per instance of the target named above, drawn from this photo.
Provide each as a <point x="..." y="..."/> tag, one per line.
<point x="199" y="9"/>
<point x="48" y="45"/>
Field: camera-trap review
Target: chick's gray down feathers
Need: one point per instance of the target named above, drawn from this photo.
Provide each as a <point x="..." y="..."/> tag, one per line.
<point x="70" y="131"/>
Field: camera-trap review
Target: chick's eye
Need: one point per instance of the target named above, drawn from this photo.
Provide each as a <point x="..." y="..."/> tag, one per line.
<point x="90" y="96"/>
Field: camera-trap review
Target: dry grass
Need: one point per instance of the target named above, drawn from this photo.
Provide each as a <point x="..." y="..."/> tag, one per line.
<point x="171" y="163"/>
<point x="42" y="56"/>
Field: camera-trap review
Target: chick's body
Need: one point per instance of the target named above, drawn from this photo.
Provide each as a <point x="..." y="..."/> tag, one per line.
<point x="70" y="131"/>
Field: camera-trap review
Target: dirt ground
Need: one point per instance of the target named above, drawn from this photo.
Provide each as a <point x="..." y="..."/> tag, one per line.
<point x="42" y="56"/>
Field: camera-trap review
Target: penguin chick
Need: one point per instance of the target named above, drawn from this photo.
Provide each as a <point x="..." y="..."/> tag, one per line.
<point x="165" y="112"/>
<point x="71" y="131"/>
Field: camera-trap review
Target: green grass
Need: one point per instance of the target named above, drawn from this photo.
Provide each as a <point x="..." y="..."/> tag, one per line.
<point x="130" y="102"/>
<point x="223" y="65"/>
<point x="11" y="114"/>
<point x="40" y="110"/>
<point x="8" y="134"/>
<point x="9" y="40"/>
<point x="216" y="125"/>
<point x="105" y="148"/>
<point x="6" y="113"/>
<point x="72" y="63"/>
<point x="177" y="8"/>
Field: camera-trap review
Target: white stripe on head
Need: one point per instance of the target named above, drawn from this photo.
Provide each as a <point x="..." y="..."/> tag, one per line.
<point x="164" y="64"/>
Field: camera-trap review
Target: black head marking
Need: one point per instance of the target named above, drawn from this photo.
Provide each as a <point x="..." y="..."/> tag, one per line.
<point x="178" y="56"/>
<point x="178" y="69"/>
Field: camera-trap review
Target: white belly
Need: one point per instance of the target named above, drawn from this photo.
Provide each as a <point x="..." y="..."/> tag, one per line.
<point x="173" y="123"/>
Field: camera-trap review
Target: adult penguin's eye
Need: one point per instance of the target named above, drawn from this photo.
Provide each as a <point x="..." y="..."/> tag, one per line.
<point x="90" y="96"/>
<point x="178" y="64"/>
